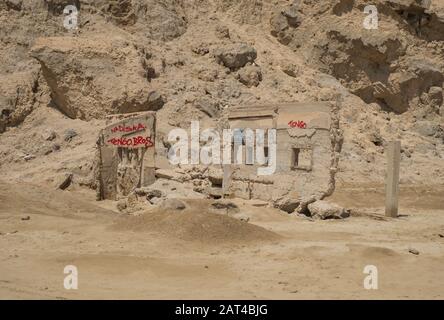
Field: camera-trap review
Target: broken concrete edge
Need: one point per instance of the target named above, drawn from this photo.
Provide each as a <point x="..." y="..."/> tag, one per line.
<point x="337" y="139"/>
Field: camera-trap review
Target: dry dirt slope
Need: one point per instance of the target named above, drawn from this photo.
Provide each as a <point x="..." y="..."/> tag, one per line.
<point x="169" y="56"/>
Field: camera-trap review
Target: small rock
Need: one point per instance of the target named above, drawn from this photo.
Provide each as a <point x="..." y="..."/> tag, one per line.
<point x="225" y="205"/>
<point x="48" y="151"/>
<point x="55" y="147"/>
<point x="149" y="193"/>
<point x="376" y="138"/>
<point x="325" y="210"/>
<point x="155" y="101"/>
<point x="201" y="50"/>
<point x="251" y="76"/>
<point x="26" y="218"/>
<point x="291" y="13"/>
<point x="406" y="153"/>
<point x="122" y="204"/>
<point x="236" y="56"/>
<point x="222" y="32"/>
<point x="215" y="193"/>
<point x="414" y="251"/>
<point x="64" y="181"/>
<point x="436" y="96"/>
<point x="208" y="106"/>
<point x="259" y="203"/>
<point x="242" y="217"/>
<point x="14" y="4"/>
<point x="209" y="75"/>
<point x="155" y="200"/>
<point x="49" y="135"/>
<point x="169" y="175"/>
<point x="291" y="69"/>
<point x="154" y="194"/>
<point x="29" y="157"/>
<point x="172" y="204"/>
<point x="69" y="134"/>
<point x="428" y="129"/>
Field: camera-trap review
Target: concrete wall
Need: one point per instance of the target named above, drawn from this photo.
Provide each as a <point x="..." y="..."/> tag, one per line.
<point x="299" y="126"/>
<point x="127" y="154"/>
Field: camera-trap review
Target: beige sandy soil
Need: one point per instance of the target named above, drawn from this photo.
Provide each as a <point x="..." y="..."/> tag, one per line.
<point x="198" y="254"/>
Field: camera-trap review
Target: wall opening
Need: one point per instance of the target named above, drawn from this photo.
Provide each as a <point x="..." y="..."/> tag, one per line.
<point x="301" y="159"/>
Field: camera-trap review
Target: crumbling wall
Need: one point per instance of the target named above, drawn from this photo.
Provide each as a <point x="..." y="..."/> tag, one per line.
<point x="336" y="140"/>
<point x="126" y="155"/>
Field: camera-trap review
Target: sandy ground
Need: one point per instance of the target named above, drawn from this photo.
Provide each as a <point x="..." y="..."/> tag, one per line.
<point x="302" y="259"/>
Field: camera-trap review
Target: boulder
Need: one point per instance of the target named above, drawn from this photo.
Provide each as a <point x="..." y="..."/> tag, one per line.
<point x="325" y="210"/>
<point x="91" y="77"/>
<point x="159" y="20"/>
<point x="283" y="23"/>
<point x="235" y="56"/>
<point x="288" y="205"/>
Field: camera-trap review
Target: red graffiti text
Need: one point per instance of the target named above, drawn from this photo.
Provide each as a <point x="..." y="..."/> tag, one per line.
<point x="134" y="128"/>
<point x="132" y="142"/>
<point x="297" y="124"/>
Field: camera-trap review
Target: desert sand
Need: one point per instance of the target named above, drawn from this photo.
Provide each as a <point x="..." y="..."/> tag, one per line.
<point x="278" y="256"/>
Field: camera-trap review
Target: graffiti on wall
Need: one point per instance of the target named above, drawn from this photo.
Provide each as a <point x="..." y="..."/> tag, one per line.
<point x="131" y="133"/>
<point x="135" y="142"/>
<point x="297" y="124"/>
<point x="129" y="129"/>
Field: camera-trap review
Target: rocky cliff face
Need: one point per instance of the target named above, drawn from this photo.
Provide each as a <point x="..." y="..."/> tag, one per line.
<point x="195" y="59"/>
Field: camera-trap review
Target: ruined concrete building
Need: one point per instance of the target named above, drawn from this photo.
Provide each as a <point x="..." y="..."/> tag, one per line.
<point x="303" y="155"/>
<point x="308" y="142"/>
